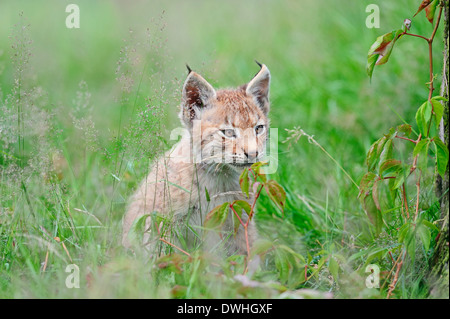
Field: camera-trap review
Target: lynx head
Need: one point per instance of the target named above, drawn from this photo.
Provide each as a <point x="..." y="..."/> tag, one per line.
<point x="228" y="126"/>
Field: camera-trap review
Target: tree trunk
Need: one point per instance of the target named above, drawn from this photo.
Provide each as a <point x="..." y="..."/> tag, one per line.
<point x="439" y="271"/>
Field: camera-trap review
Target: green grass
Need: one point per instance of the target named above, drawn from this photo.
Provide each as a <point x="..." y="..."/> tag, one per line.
<point x="96" y="104"/>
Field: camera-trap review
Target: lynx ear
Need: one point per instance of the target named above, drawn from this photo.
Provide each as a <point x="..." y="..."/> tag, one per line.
<point x="258" y="87"/>
<point x="197" y="92"/>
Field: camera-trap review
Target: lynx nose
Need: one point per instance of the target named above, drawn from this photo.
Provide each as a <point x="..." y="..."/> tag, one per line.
<point x="251" y="155"/>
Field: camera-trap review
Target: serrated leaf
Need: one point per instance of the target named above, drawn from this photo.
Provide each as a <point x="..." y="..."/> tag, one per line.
<point x="438" y="111"/>
<point x="371" y="157"/>
<point x="364" y="185"/>
<point x="242" y="204"/>
<point x="404" y="128"/>
<point x="399" y="179"/>
<point x="388" y="167"/>
<point x="430" y="10"/>
<point x="422" y="6"/>
<point x="411" y="245"/>
<point x="441" y="156"/>
<point x="439" y="98"/>
<point x="419" y="146"/>
<point x="423" y="116"/>
<point x="375" y="194"/>
<point x="217" y="217"/>
<point x="257" y="166"/>
<point x="243" y="181"/>
<point x="381" y="50"/>
<point x="382" y="144"/>
<point x="425" y="236"/>
<point x="387" y="151"/>
<point x="373" y="213"/>
<point x="276" y="193"/>
<point x="421" y="149"/>
<point x="427" y="111"/>
<point x="239" y="206"/>
<point x="403" y="231"/>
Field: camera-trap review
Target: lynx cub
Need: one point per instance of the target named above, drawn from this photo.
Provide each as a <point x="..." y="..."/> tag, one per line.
<point x="225" y="131"/>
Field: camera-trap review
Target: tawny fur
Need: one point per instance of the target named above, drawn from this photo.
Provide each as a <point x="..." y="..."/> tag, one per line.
<point x="175" y="187"/>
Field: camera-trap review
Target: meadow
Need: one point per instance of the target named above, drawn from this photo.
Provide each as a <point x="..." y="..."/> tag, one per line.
<point x="84" y="111"/>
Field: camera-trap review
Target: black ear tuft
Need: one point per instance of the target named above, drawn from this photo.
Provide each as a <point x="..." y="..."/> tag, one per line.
<point x="189" y="69"/>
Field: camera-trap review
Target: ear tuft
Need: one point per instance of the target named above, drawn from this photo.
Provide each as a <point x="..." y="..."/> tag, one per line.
<point x="258" y="87"/>
<point x="189" y="69"/>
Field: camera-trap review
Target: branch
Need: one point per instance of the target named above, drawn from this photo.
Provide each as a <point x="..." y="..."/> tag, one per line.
<point x="405" y="138"/>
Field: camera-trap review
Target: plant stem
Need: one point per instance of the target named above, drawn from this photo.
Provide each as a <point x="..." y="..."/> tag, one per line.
<point x="405" y="138"/>
<point x="174" y="246"/>
<point x="416" y="35"/>
<point x="253" y="205"/>
<point x="405" y="201"/>
<point x="397" y="272"/>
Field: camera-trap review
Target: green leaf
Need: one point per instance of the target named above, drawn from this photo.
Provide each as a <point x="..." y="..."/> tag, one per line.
<point x="381" y="50"/>
<point x="387" y="151"/>
<point x="239" y="206"/>
<point x="427" y="111"/>
<point x="208" y="199"/>
<point x="282" y="264"/>
<point x="419" y="146"/>
<point x="276" y="193"/>
<point x="373" y="213"/>
<point x="217" y="217"/>
<point x="365" y="183"/>
<point x="256" y="167"/>
<point x="425" y="236"/>
<point x="408" y="238"/>
<point x="403" y="231"/>
<point x="430" y="10"/>
<point x="421" y="149"/>
<point x="438" y="111"/>
<point x="430" y="225"/>
<point x="243" y="182"/>
<point x="404" y="128"/>
<point x="423" y="116"/>
<point x="136" y="233"/>
<point x="402" y="173"/>
<point x="371" y="158"/>
<point x="375" y="193"/>
<point x="423" y="5"/>
<point x="441" y="156"/>
<point x="389" y="167"/>
<point x="439" y="98"/>
<point x="411" y="245"/>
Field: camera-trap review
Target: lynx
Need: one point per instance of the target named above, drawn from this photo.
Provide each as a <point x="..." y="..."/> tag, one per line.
<point x="224" y="132"/>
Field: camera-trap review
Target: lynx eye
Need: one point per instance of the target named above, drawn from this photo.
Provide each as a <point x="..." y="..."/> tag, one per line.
<point x="259" y="129"/>
<point x="229" y="133"/>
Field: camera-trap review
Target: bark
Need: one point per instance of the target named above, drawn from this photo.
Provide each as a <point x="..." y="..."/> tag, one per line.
<point x="439" y="271"/>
